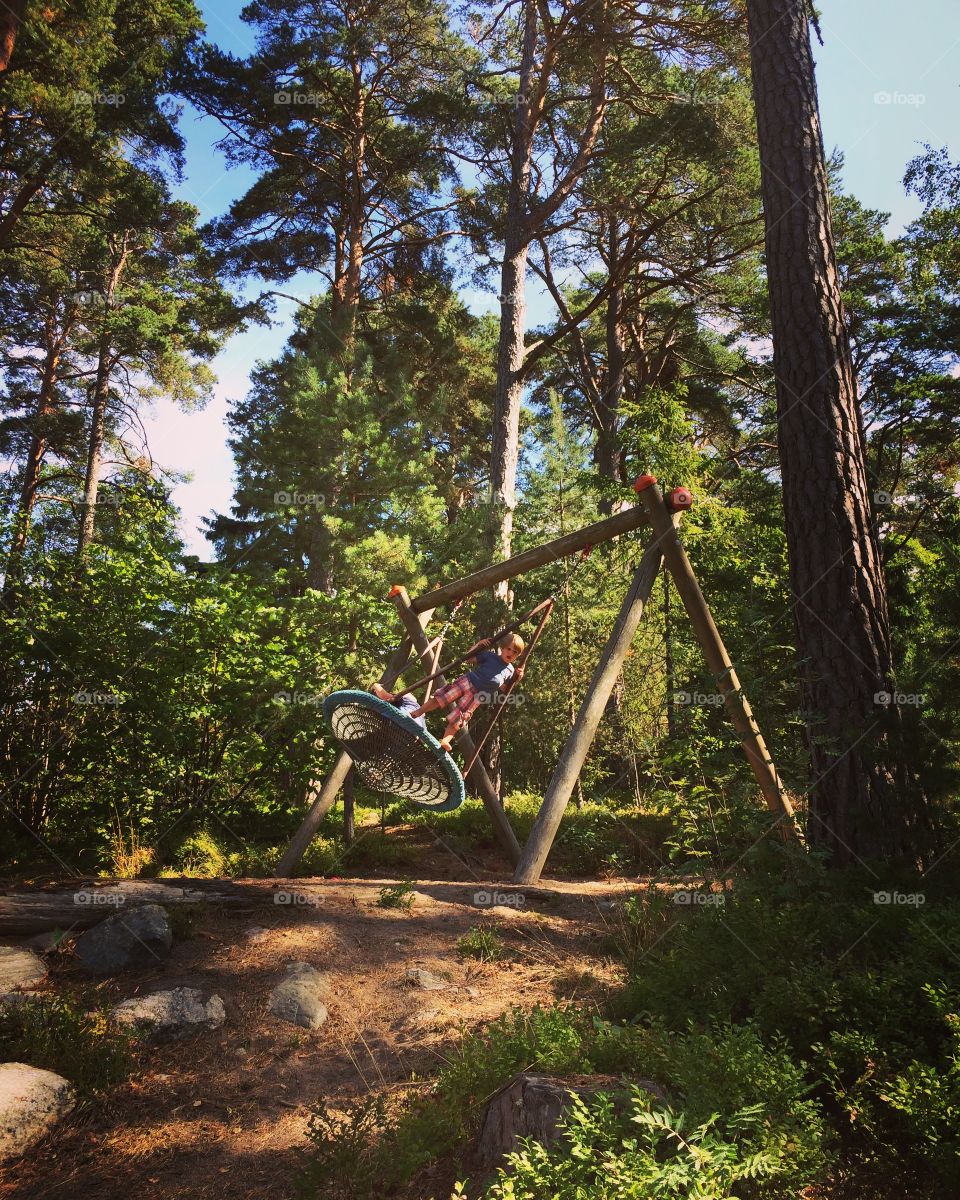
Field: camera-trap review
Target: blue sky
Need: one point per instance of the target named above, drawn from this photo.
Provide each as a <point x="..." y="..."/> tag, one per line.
<point x="888" y="78"/>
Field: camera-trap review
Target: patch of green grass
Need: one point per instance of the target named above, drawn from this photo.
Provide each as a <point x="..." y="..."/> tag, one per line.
<point x="482" y="944"/>
<point x="70" y="1037"/>
<point x="400" y="895"/>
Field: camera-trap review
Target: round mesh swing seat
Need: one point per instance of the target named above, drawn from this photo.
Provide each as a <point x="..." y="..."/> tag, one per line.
<point x="391" y="753"/>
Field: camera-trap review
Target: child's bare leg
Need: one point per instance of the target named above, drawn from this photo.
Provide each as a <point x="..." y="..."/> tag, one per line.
<point x="453" y="727"/>
<point x="381" y="692"/>
<point x="430" y="706"/>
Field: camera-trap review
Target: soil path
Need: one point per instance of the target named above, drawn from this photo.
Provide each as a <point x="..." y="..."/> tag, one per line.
<point x="223" y="1116"/>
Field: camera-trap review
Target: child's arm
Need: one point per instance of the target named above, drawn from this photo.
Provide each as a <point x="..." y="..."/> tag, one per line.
<point x="477" y="649"/>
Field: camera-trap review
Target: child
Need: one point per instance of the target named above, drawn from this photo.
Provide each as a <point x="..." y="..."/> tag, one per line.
<point x="493" y="670"/>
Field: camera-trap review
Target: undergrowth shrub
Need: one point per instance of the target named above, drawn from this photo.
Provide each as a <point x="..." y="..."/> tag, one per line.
<point x="70" y="1037"/>
<point x="390" y="1146"/>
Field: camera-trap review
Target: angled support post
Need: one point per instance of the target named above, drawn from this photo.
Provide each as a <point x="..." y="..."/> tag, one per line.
<point x="338" y="773"/>
<point x="478" y="772"/>
<point x="589" y="716"/>
<point x="714" y="651"/>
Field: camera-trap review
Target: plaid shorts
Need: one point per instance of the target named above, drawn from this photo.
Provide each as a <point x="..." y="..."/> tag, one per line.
<point x="464" y="698"/>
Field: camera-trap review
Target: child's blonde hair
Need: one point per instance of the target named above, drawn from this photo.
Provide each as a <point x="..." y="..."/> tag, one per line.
<point x="513" y="640"/>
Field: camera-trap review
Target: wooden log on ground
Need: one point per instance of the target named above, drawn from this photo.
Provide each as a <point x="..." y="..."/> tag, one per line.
<point x="83" y="903"/>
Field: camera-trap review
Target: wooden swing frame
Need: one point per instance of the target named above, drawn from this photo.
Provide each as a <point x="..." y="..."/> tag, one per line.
<point x="662" y="516"/>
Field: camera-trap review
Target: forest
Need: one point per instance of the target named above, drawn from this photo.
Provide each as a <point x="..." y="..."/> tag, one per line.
<point x="740" y="972"/>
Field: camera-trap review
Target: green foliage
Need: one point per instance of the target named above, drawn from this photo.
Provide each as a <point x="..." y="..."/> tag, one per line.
<point x="400" y="895"/>
<point x="752" y="1094"/>
<point x="482" y="944"/>
<point x="72" y="1037"/>
<point x="653" y="1154"/>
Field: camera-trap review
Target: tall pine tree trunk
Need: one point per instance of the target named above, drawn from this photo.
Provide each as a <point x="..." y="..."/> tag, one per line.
<point x="36" y="452"/>
<point x="98" y="422"/>
<point x="861" y="801"/>
<point x="101" y="396"/>
<point x="510" y="352"/>
<point x="608" y="452"/>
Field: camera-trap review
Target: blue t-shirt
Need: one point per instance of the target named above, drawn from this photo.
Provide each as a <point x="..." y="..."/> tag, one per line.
<point x="490" y="672"/>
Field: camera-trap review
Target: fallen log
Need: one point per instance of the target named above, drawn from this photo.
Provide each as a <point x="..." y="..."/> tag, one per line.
<point x="85" y="902"/>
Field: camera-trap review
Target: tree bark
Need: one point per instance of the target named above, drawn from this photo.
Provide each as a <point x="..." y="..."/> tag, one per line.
<point x="101" y="394"/>
<point x="34" y="463"/>
<point x="510" y="351"/>
<point x="10" y="17"/>
<point x="609" y="455"/>
<point x="862" y="802"/>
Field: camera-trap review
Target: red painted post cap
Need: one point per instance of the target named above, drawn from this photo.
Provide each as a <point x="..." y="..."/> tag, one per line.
<point x="680" y="499"/>
<point x="642" y="482"/>
<point x="395" y="591"/>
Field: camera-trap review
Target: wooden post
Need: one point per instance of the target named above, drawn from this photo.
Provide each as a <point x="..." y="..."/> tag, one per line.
<point x="488" y="793"/>
<point x="349" y="811"/>
<point x="338" y="773"/>
<point x="591" y="711"/>
<point x="714" y="651"/>
<point x="562" y="547"/>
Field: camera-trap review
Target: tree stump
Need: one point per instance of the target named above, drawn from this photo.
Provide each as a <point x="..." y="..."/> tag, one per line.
<point x="530" y="1106"/>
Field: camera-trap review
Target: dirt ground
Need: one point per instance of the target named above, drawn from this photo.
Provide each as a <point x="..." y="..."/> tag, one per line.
<point x="224" y="1114"/>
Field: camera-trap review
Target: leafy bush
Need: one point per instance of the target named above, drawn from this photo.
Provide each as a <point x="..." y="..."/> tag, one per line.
<point x="400" y="895"/>
<point x="69" y="1037"/>
<point x="714" y="1077"/>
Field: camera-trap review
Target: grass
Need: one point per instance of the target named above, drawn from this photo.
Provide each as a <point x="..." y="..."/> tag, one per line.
<point x="70" y="1036"/>
<point x="482" y="944"/>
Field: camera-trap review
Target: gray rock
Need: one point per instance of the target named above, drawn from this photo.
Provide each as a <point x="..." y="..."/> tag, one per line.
<point x="136" y="937"/>
<point x="31" y="1102"/>
<point x="168" y="1016"/>
<point x="417" y="977"/>
<point x="299" y="999"/>
<point x="19" y="969"/>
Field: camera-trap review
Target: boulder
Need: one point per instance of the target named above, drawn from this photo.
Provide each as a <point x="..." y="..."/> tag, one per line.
<point x="299" y="999"/>
<point x="136" y="937"/>
<point x="19" y="969"/>
<point x="169" y="1016"/>
<point x="417" y="977"/>
<point x="31" y="1102"/>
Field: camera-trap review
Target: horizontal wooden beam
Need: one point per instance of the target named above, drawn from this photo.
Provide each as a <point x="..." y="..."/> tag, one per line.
<point x="590" y="535"/>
